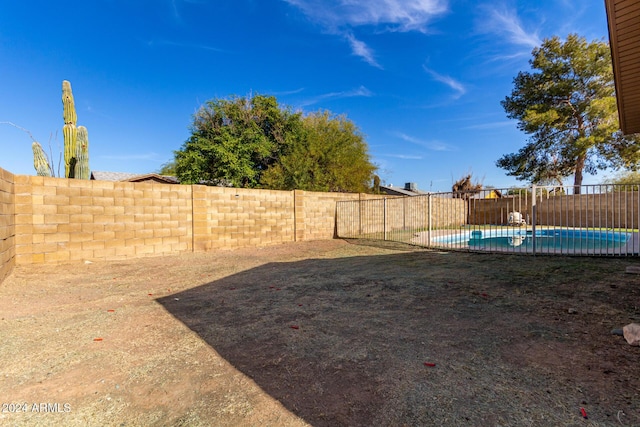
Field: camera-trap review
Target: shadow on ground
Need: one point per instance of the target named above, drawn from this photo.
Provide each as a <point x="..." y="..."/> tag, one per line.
<point x="423" y="338"/>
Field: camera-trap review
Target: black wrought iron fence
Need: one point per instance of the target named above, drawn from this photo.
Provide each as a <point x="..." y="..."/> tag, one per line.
<point x="591" y="220"/>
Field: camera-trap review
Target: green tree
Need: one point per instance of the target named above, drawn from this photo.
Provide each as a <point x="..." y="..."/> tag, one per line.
<point x="625" y="181"/>
<point x="168" y="168"/>
<point x="254" y="142"/>
<point x="567" y="104"/>
<point x="329" y="155"/>
<point x="234" y="141"/>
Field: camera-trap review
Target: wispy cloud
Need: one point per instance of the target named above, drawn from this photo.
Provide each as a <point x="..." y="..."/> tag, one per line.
<point x="175" y="8"/>
<point x="505" y="23"/>
<point x="359" y="48"/>
<point x="357" y="92"/>
<point x="491" y="125"/>
<point x="176" y="14"/>
<point x="431" y="145"/>
<point x="342" y="16"/>
<point x="510" y="56"/>
<point x="395" y="15"/>
<point x="404" y="156"/>
<point x="447" y="80"/>
<point x="286" y="92"/>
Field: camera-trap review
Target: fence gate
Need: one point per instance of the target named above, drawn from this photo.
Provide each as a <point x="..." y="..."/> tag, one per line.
<point x="591" y="220"/>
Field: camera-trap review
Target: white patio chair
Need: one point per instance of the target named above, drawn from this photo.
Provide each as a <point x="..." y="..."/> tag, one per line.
<point x="516" y="219"/>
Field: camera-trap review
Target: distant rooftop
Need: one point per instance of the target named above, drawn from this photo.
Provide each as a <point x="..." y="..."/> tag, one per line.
<point x="133" y="177"/>
<point x="409" y="189"/>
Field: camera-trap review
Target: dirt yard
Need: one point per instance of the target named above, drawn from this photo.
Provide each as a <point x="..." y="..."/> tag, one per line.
<point x="328" y="333"/>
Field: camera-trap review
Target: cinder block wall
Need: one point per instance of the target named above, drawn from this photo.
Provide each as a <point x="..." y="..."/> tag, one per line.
<point x="58" y="219"/>
<point x="316" y="213"/>
<point x="410" y="213"/>
<point x="447" y="213"/>
<point x="50" y="220"/>
<point x="7" y="224"/>
<point x="607" y="210"/>
<point x="225" y="218"/>
<point x="370" y="217"/>
<point x="496" y="211"/>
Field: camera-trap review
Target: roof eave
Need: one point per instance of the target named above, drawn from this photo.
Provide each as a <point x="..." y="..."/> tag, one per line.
<point x="624" y="42"/>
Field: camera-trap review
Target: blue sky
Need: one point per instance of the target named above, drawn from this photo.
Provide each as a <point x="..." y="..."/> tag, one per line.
<point x="422" y="79"/>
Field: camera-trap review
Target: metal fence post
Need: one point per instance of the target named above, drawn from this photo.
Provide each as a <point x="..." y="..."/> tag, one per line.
<point x="384" y="219"/>
<point x="429" y="220"/>
<point x="534" y="218"/>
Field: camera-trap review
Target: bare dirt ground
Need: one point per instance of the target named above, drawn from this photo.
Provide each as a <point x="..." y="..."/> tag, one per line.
<point x="328" y="333"/>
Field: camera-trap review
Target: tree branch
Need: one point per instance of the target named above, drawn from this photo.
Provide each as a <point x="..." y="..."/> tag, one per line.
<point x="21" y="128"/>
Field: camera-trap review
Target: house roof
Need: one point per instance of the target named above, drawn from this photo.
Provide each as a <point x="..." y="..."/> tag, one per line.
<point x="398" y="191"/>
<point x="133" y="177"/>
<point x="623" y="17"/>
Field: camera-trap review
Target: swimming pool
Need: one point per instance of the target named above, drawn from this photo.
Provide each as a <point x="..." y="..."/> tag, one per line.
<point x="545" y="240"/>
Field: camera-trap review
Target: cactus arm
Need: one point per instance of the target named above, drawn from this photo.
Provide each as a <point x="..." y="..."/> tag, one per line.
<point x="70" y="133"/>
<point x="69" y="110"/>
<point x="82" y="154"/>
<point x="40" y="162"/>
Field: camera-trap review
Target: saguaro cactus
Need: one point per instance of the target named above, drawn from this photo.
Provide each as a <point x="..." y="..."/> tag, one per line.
<point x="76" y="153"/>
<point x="69" y="130"/>
<point x="76" y="143"/>
<point x="40" y="160"/>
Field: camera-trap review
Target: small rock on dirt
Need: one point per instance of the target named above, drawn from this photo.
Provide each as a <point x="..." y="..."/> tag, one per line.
<point x="631" y="333"/>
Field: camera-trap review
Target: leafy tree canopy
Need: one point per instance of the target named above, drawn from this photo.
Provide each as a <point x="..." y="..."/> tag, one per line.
<point x="255" y="143"/>
<point x="168" y="168"/>
<point x="625" y="181"/>
<point x="330" y="155"/>
<point x="234" y="140"/>
<point x="626" y="178"/>
<point x="567" y="104"/>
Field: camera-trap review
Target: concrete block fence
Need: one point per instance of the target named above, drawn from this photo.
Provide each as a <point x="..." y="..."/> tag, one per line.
<point x="54" y="220"/>
<point x="7" y="224"/>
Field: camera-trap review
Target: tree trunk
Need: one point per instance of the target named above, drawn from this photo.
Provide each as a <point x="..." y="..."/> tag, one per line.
<point x="577" y="182"/>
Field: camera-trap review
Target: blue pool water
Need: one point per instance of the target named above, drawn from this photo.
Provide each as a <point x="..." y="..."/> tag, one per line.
<point x="546" y="239"/>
